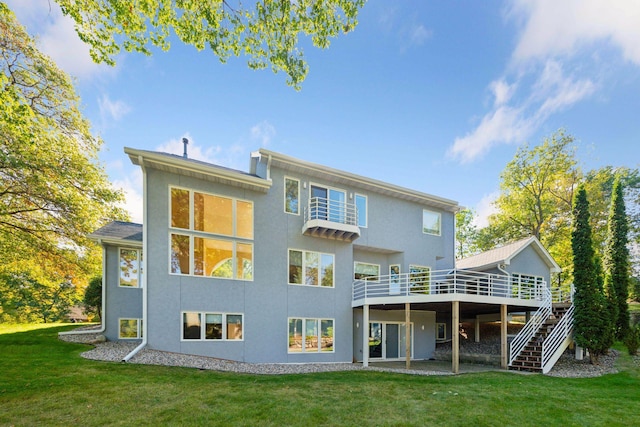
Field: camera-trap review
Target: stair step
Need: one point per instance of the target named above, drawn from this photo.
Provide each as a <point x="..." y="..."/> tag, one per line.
<point x="525" y="369"/>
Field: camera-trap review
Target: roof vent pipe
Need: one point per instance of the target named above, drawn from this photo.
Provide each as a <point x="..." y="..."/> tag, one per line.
<point x="185" y="141"/>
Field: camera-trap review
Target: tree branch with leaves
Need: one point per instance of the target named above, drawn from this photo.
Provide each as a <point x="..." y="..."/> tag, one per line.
<point x="267" y="31"/>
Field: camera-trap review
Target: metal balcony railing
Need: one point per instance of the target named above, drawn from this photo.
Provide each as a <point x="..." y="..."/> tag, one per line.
<point x="331" y="210"/>
<point x="448" y="282"/>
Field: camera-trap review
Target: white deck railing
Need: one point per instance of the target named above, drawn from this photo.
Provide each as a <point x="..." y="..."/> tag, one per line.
<point x="529" y="330"/>
<point x="331" y="210"/>
<point x="448" y="282"/>
<point x="561" y="331"/>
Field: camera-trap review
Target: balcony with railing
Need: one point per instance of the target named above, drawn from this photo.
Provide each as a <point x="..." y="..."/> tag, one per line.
<point x="448" y="285"/>
<point x="331" y="219"/>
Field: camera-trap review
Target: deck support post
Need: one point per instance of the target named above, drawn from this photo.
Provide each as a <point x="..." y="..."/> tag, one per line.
<point x="407" y="334"/>
<point x="455" y="337"/>
<point x="365" y="335"/>
<point x="504" y="358"/>
<point x="477" y="329"/>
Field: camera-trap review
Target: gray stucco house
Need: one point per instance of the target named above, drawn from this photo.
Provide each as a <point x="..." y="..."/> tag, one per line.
<point x="294" y="262"/>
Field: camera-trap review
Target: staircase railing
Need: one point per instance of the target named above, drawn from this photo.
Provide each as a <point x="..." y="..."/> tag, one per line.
<point x="531" y="327"/>
<point x="558" y="335"/>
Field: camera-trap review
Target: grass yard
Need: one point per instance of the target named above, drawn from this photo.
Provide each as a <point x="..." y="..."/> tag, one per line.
<point x="44" y="381"/>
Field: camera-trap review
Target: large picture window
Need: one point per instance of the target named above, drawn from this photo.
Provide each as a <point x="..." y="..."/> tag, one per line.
<point x="291" y="195"/>
<point x="311" y="268"/>
<point x="431" y="222"/>
<point x="198" y="326"/>
<point x="310" y="335"/>
<point x="130" y="328"/>
<point x="130" y="268"/>
<point x="213" y="237"/>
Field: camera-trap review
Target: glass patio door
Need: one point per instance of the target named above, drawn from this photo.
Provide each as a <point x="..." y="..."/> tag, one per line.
<point x="387" y="340"/>
<point x="329" y="204"/>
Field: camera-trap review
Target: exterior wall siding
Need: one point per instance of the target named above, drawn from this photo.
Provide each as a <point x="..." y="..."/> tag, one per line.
<point x="269" y="301"/>
<point x="121" y="302"/>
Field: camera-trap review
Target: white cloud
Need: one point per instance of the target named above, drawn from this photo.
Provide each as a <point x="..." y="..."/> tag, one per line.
<point x="263" y="132"/>
<point x="551" y="92"/>
<point x="560" y="91"/>
<point x="112" y="110"/>
<point x="503" y="125"/>
<point x="484" y="209"/>
<point x="502" y="91"/>
<point x="419" y="35"/>
<point x="561" y="28"/>
<point x="56" y="37"/>
<point x="554" y="37"/>
<point x="412" y="35"/>
<point x="132" y="187"/>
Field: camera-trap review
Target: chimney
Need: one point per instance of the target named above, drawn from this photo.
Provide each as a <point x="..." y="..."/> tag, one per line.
<point x="185" y="141"/>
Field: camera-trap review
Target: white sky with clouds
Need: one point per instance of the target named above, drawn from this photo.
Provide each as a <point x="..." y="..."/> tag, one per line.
<point x="434" y="96"/>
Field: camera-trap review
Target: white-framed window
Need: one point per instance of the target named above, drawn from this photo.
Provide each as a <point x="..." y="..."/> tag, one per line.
<point x="205" y="326"/>
<point x="210" y="235"/>
<point x="361" y="206"/>
<point x="291" y="195"/>
<point x="441" y="331"/>
<point x="310" y="335"/>
<point x="130" y="268"/>
<point x="431" y="222"/>
<point x="363" y="270"/>
<point x="311" y="268"/>
<point x="419" y="278"/>
<point x="129" y="329"/>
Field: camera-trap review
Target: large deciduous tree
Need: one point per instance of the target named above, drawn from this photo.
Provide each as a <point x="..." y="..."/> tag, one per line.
<point x="535" y="199"/>
<point x="466" y="233"/>
<point x="536" y="192"/>
<point x="617" y="270"/>
<point x="53" y="192"/>
<point x="592" y="321"/>
<point x="266" y="31"/>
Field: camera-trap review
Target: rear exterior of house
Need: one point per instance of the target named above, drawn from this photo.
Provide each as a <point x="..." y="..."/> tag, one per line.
<point x="292" y="262"/>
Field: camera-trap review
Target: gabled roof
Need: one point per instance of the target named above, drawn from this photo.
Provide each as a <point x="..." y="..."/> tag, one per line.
<point x="196" y="168"/>
<point x="504" y="255"/>
<point x="119" y="233"/>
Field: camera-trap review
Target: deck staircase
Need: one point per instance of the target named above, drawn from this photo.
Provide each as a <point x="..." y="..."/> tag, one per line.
<point x="543" y="339"/>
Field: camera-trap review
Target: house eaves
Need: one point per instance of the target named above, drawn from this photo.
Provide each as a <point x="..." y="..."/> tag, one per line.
<point x="197" y="169"/>
<point x="119" y="233"/>
<point x="342" y="178"/>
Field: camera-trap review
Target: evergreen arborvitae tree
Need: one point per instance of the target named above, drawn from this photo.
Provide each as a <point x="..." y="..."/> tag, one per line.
<point x="617" y="266"/>
<point x="592" y="323"/>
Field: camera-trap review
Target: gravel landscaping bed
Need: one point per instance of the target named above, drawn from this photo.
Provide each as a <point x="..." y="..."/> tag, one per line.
<point x="566" y="367"/>
<point x="115" y="352"/>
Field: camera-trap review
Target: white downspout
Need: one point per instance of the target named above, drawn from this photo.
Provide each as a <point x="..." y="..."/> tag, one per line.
<point x="103" y="324"/>
<point x="145" y="257"/>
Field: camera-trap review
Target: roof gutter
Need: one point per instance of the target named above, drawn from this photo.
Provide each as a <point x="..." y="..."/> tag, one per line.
<point x="144" y="264"/>
<point x="103" y="323"/>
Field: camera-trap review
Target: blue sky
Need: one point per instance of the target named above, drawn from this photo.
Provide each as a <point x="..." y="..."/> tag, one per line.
<point x="431" y="95"/>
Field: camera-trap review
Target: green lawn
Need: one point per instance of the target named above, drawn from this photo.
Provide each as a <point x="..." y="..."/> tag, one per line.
<point x="44" y="381"/>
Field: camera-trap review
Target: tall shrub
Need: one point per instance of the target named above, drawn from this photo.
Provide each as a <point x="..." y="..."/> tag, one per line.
<point x="592" y="323"/>
<point x="617" y="266"/>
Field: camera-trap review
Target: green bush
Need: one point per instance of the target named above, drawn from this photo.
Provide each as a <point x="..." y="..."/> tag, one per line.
<point x="632" y="341"/>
